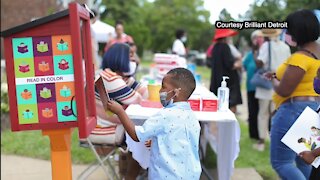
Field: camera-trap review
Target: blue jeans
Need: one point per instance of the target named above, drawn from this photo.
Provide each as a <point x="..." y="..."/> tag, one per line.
<point x="285" y="161"/>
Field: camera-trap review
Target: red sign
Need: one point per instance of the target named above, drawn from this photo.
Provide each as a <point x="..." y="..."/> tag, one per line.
<point x="46" y="91"/>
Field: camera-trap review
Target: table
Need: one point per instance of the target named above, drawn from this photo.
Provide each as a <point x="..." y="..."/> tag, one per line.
<point x="224" y="141"/>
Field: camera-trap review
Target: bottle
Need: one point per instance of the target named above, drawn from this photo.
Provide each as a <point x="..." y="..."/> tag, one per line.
<point x="223" y="96"/>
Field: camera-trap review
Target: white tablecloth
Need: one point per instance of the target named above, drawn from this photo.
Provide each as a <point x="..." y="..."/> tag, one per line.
<point x="225" y="142"/>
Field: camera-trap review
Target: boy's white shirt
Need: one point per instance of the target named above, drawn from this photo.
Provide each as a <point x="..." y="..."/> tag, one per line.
<point x="174" y="132"/>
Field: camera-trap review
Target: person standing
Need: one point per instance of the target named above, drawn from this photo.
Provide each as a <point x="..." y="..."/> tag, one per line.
<point x="95" y="46"/>
<point x="250" y="67"/>
<point x="224" y="64"/>
<point x="279" y="52"/>
<point x="178" y="45"/>
<point x="293" y="86"/>
<point x="120" y="36"/>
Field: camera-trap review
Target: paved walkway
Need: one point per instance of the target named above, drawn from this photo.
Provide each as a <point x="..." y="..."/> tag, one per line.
<point x="18" y="167"/>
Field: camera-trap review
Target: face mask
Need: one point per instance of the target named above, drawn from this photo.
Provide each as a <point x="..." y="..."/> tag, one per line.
<point x="184" y="39"/>
<point x="288" y="39"/>
<point x="260" y="41"/>
<point x="132" y="70"/>
<point x="316" y="85"/>
<point x="163" y="98"/>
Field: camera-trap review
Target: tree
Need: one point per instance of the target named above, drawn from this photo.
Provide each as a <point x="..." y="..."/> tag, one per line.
<point x="153" y="24"/>
<point x="261" y="9"/>
<point x="169" y="15"/>
<point x="225" y="15"/>
<point x="294" y="5"/>
<point x="267" y="10"/>
<point x="132" y="13"/>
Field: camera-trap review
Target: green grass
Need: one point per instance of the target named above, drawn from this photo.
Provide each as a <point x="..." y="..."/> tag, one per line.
<point x="248" y="157"/>
<point x="205" y="72"/>
<point x="144" y="63"/>
<point x="34" y="144"/>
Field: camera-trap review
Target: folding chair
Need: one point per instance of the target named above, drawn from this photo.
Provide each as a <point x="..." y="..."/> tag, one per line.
<point x="104" y="136"/>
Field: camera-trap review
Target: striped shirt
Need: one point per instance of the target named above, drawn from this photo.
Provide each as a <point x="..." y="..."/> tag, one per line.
<point x="125" y="92"/>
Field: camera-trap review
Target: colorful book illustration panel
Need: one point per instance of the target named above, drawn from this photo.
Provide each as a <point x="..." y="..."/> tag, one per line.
<point x="42" y="46"/>
<point x="66" y="112"/>
<point x="28" y="114"/>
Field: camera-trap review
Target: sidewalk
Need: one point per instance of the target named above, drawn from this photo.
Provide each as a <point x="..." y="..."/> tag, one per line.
<point x="18" y="167"/>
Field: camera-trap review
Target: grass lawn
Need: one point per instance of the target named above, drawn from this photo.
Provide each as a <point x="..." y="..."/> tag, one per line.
<point x="251" y="158"/>
<point x="248" y="157"/>
<point x="33" y="144"/>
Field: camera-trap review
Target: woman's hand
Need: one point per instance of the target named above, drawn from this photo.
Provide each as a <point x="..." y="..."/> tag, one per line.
<point x="237" y="65"/>
<point x="115" y="107"/>
<point x="307" y="156"/>
<point x="269" y="75"/>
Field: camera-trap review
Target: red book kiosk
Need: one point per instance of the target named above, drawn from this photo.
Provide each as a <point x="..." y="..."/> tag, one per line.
<point x="50" y="76"/>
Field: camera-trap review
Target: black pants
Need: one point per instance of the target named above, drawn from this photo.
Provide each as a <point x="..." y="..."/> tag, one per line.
<point x="253" y="107"/>
<point x="315" y="173"/>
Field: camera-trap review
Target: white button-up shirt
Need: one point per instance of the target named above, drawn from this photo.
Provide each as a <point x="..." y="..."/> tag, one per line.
<point x="174" y="132"/>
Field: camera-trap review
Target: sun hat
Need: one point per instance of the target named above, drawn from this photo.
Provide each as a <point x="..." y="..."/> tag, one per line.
<point x="222" y="33"/>
<point x="256" y="33"/>
<point x="271" y="32"/>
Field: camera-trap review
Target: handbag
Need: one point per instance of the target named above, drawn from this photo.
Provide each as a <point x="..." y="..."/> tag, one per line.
<point x="258" y="80"/>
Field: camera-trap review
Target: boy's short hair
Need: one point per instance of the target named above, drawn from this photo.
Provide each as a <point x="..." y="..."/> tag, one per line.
<point x="184" y="79"/>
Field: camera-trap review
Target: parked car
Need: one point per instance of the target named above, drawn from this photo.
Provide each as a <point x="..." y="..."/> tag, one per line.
<point x="199" y="58"/>
<point x="191" y="56"/>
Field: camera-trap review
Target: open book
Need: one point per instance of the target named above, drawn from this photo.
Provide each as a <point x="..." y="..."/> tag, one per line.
<point x="304" y="134"/>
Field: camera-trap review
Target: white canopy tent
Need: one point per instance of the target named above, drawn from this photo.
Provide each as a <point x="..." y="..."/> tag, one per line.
<point x="102" y="31"/>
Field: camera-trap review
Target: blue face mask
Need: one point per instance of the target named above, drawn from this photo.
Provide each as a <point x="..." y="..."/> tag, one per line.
<point x="163" y="98"/>
<point x="316" y="85"/>
<point x="164" y="95"/>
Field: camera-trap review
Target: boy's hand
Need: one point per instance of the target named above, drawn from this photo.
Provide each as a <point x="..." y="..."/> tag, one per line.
<point x="148" y="143"/>
<point x="307" y="156"/>
<point x="115" y="107"/>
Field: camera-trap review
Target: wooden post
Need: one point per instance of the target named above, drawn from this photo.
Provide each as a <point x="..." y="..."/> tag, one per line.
<point x="60" y="142"/>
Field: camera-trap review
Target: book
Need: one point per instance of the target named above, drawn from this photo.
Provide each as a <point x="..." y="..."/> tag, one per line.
<point x="304" y="134"/>
<point x="102" y="92"/>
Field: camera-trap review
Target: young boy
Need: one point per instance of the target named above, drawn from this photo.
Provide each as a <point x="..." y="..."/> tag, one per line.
<point x="174" y="130"/>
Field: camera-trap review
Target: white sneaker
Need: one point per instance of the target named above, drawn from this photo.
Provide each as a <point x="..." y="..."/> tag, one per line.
<point x="258" y="147"/>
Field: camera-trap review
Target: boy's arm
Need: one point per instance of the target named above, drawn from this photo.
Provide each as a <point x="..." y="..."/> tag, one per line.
<point x="127" y="123"/>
